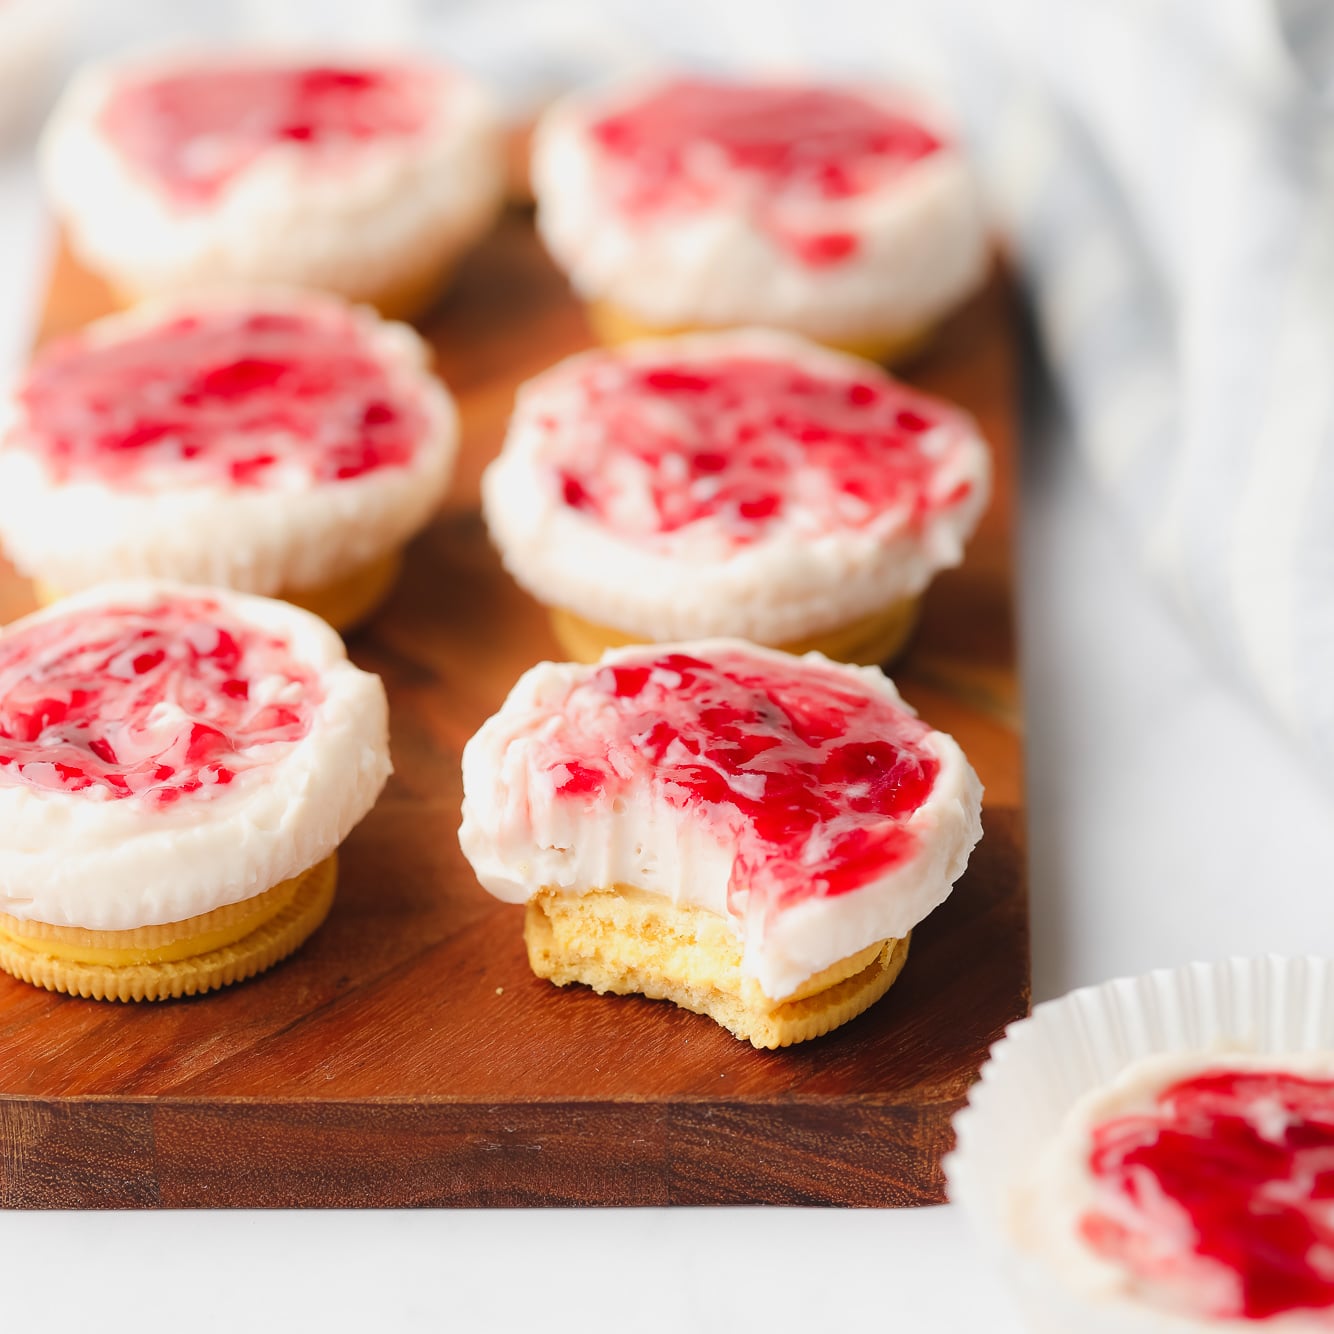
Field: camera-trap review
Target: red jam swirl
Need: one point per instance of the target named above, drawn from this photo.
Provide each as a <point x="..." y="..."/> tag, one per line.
<point x="239" y="397"/>
<point x="1247" y="1159"/>
<point x="192" y="131"/>
<point x="809" y="776"/>
<point x="788" y="155"/>
<point x="164" y="701"/>
<point x="741" y="444"/>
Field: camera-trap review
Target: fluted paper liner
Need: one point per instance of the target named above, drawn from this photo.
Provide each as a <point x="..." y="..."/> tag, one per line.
<point x="1071" y="1046"/>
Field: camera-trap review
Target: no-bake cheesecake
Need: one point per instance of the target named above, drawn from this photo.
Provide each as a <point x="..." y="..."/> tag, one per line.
<point x="274" y="441"/>
<point x="748" y="483"/>
<point x="365" y="177"/>
<point x="177" y="769"/>
<point x="748" y="834"/>
<point x="845" y="213"/>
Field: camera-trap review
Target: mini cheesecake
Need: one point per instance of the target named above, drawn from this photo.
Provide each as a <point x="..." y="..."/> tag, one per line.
<point x="177" y="769"/>
<point x="748" y="484"/>
<point x="748" y="834"/>
<point x="272" y="441"/>
<point x="1195" y="1194"/>
<point x="847" y="214"/>
<point x="365" y="178"/>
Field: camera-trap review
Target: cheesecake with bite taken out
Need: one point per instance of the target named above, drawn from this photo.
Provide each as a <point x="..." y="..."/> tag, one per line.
<point x="748" y="834"/>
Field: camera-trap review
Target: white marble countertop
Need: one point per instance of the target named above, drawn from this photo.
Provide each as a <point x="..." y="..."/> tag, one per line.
<point x="1168" y="823"/>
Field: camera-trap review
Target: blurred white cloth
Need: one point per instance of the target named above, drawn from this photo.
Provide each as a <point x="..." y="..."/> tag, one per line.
<point x="1165" y="171"/>
<point x="1164" y="168"/>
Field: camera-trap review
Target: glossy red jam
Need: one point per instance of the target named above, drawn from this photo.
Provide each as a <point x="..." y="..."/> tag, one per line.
<point x="810" y="776"/>
<point x="172" y="699"/>
<point x="192" y="131"/>
<point x="737" y="446"/>
<point x="1226" y="1184"/>
<point x="784" y="154"/>
<point x="239" y="397"/>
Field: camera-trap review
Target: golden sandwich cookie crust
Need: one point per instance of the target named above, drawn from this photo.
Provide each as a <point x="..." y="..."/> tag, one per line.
<point x="344" y="604"/>
<point x="175" y="959"/>
<point x="411" y="295"/>
<point x="612" y="326"/>
<point x="868" y="641"/>
<point x="347" y="602"/>
<point x="626" y="941"/>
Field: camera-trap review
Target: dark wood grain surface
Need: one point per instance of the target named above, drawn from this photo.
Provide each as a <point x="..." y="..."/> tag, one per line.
<point x="406" y="1055"/>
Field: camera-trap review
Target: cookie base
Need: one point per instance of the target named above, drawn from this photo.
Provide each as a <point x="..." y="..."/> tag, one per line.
<point x="626" y="941"/>
<point x="869" y="640"/>
<point x="412" y="293"/>
<point x="349" y="602"/>
<point x="26" y="947"/>
<point x="345" y="603"/>
<point x="417" y="292"/>
<point x="613" y="325"/>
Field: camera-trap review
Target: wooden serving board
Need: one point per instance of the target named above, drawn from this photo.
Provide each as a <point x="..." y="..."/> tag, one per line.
<point x="406" y="1055"/>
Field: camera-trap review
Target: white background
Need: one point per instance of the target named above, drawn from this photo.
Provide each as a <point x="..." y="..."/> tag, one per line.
<point x="1168" y="823"/>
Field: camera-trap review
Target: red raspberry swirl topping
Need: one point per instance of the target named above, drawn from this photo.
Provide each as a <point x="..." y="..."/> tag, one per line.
<point x="1225" y="1185"/>
<point x="192" y="131"/>
<point x="786" y="154"/>
<point x="808" y="774"/>
<point x="163" y="701"/>
<point x="739" y="445"/>
<point x="240" y="397"/>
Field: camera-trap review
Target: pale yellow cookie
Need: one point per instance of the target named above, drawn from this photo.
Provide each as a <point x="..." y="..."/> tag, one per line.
<point x="869" y="640"/>
<point x="175" y="959"/>
<point x="611" y="326"/>
<point x="412" y="294"/>
<point x="344" y="604"/>
<point x="348" y="602"/>
<point x="627" y="941"/>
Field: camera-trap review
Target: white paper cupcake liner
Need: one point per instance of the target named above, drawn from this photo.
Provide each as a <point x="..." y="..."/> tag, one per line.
<point x="1071" y="1046"/>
